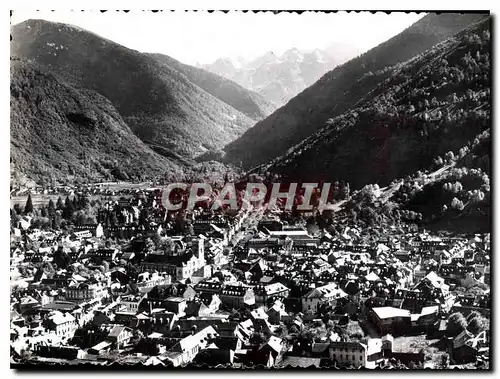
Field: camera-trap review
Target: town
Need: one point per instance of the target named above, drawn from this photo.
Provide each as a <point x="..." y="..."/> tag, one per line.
<point x="108" y="276"/>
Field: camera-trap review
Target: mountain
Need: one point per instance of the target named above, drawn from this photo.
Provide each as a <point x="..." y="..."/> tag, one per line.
<point x="67" y="134"/>
<point x="161" y="105"/>
<point x="247" y="102"/>
<point x="422" y="134"/>
<point x="277" y="78"/>
<point x="339" y="90"/>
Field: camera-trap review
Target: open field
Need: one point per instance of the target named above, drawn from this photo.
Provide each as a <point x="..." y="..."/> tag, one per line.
<point x="38" y="200"/>
<point x="41" y="199"/>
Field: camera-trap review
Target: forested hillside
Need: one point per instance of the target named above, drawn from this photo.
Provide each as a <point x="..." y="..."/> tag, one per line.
<point x="62" y="134"/>
<point x="339" y="90"/>
<point x="436" y="102"/>
<point x="160" y="104"/>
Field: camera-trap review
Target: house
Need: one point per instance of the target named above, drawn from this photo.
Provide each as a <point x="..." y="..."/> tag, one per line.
<point x="130" y="303"/>
<point x="185" y="291"/>
<point x="212" y="286"/>
<point x="221" y="325"/>
<point x="268" y="352"/>
<point x="433" y="284"/>
<point x="258" y="313"/>
<point x="99" y="255"/>
<point x="176" y="305"/>
<point x="390" y="320"/>
<point x="24" y="223"/>
<point x="236" y="296"/>
<point x="349" y="353"/>
<point x="163" y="320"/>
<point x="187" y="348"/>
<point x="28" y="303"/>
<point x="120" y="335"/>
<point x="266" y="294"/>
<point x="426" y="319"/>
<point x="158" y="320"/>
<point x="244" y="330"/>
<point x="179" y="264"/>
<point x="398" y="349"/>
<point x="221" y="351"/>
<point x="277" y="313"/>
<point x="62" y="324"/>
<point x="147" y="281"/>
<point x="86" y="291"/>
<point x="327" y="294"/>
<point x="100" y="348"/>
<point x="197" y="309"/>
<point x="211" y="301"/>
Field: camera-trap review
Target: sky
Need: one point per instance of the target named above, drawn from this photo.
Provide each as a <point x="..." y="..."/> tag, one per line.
<point x="201" y="37"/>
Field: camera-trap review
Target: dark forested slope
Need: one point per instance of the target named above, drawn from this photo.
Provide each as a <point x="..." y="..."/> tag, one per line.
<point x="160" y="104"/>
<point x="340" y="89"/>
<point x="67" y="134"/>
<point x="435" y="103"/>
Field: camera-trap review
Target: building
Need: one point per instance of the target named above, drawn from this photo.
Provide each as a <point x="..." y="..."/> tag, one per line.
<point x="120" y="335"/>
<point x="390" y="320"/>
<point x="186" y="349"/>
<point x="62" y="324"/>
<point x="349" y="353"/>
<point x="86" y="291"/>
<point x="267" y="294"/>
<point x="236" y="296"/>
<point x="130" y="303"/>
<point x="178" y="264"/>
<point x="327" y="294"/>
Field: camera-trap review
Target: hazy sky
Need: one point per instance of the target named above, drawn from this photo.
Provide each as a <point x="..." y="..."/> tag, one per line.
<point x="193" y="37"/>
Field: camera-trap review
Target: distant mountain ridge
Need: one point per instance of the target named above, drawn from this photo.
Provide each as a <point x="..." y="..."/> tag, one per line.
<point x="407" y="121"/>
<point x="279" y="78"/>
<point x="247" y="102"/>
<point x="155" y="97"/>
<point x="339" y="90"/>
<point x="423" y="134"/>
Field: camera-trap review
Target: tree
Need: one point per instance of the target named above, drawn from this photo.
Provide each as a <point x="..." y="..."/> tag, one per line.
<point x="257" y="338"/>
<point x="477" y="196"/>
<point x="69" y="209"/>
<point x="456" y="324"/>
<point x="457" y="187"/>
<point x="235" y="316"/>
<point x="477" y="324"/>
<point x="29" y="205"/>
<point x="445" y="360"/>
<point x="345" y="191"/>
<point x="457" y="204"/>
<point x="112" y="218"/>
<point x="61" y="258"/>
<point x="449" y="156"/>
<point x="80" y="218"/>
<point x="56" y="220"/>
<point x="18" y="209"/>
<point x="137" y="336"/>
<point x="60" y="204"/>
<point x="48" y="268"/>
<point x="26" y="355"/>
<point x="51" y="208"/>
